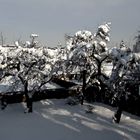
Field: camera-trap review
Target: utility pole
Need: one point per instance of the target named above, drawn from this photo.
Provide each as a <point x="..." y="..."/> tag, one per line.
<point x="2" y="39"/>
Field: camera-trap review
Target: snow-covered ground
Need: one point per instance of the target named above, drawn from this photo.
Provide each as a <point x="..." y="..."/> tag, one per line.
<point x="55" y="120"/>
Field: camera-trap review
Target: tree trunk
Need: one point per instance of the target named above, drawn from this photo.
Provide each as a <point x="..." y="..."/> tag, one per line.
<point x="84" y="82"/>
<point x="29" y="102"/>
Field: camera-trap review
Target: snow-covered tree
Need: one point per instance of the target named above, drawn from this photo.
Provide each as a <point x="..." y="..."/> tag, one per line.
<point x="29" y="69"/>
<point x="87" y="50"/>
<point x="136" y="47"/>
<point x="31" y="66"/>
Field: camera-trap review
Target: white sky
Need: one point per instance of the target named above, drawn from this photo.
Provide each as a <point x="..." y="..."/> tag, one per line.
<point x="51" y="19"/>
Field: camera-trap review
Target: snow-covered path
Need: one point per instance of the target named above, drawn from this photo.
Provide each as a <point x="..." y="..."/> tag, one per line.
<point x="55" y="120"/>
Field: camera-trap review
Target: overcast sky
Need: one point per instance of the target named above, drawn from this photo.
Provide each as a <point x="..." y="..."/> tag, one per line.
<point x="51" y="19"/>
